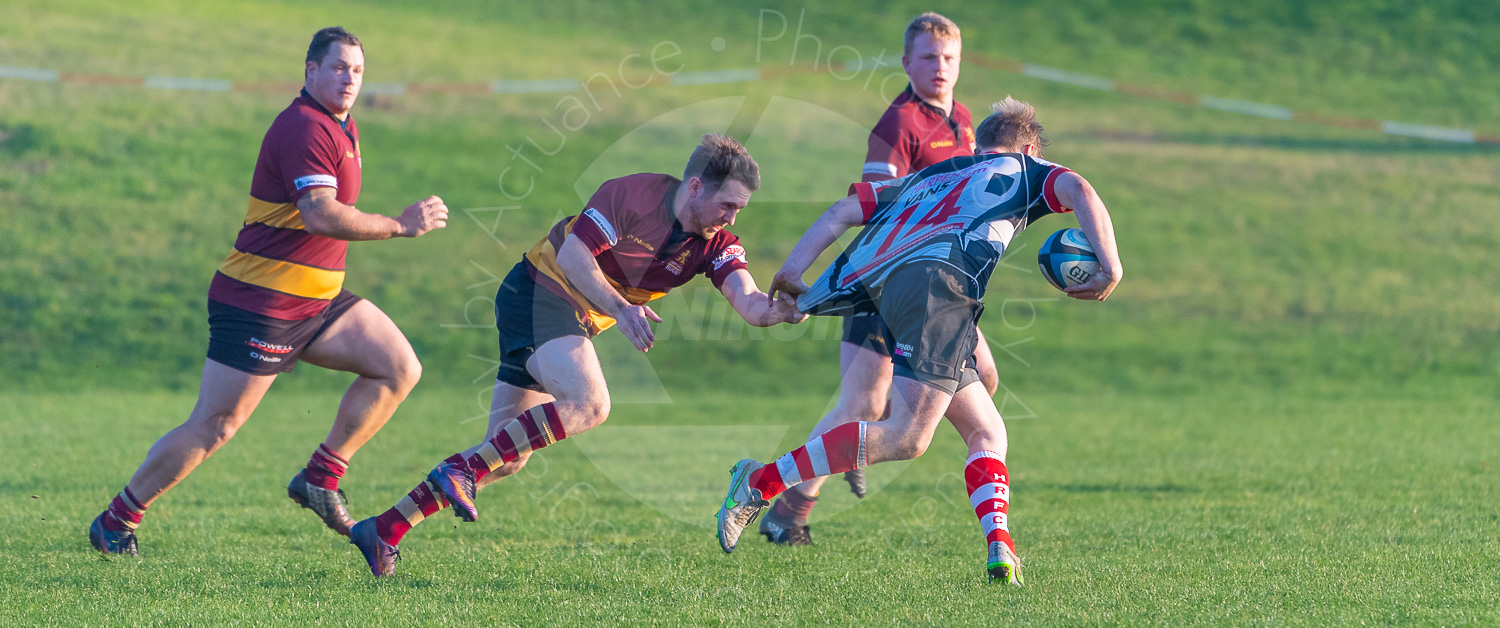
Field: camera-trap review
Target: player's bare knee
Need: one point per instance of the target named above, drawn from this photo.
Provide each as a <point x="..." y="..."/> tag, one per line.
<point x="406" y="372"/>
<point x="214" y="430"/>
<point x="595" y="410"/>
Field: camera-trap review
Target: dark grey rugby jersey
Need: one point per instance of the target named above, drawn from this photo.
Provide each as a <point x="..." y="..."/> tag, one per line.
<point x="963" y="212"/>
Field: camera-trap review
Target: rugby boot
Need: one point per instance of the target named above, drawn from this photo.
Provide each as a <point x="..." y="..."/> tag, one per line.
<point x="856" y="480"/>
<point x="457" y="485"/>
<point x="379" y="555"/>
<point x="110" y="541"/>
<point x="741" y="506"/>
<point x="783" y="532"/>
<point x="1004" y="565"/>
<point x="329" y="505"/>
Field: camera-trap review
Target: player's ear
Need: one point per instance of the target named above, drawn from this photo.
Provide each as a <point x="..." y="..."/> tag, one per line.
<point x="695" y="186"/>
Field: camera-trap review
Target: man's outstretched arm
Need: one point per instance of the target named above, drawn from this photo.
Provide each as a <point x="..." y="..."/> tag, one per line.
<point x="756" y="307"/>
<point x="840" y="217"/>
<point x="323" y="215"/>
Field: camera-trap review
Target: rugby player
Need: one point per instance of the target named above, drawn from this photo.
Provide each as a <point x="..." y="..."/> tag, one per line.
<point x="638" y="237"/>
<point x="923" y="126"/>
<point x="279" y="299"/>
<point x="923" y="260"/>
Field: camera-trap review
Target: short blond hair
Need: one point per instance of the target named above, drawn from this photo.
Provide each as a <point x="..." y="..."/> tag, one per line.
<point x="938" y="26"/>
<point x="1011" y="126"/>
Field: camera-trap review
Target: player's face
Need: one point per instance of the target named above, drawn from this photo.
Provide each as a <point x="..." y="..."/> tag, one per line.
<point x="711" y="213"/>
<point x="932" y="66"/>
<point x="335" y="82"/>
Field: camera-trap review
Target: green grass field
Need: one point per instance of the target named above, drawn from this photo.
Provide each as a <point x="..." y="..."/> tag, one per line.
<point x="1284" y="415"/>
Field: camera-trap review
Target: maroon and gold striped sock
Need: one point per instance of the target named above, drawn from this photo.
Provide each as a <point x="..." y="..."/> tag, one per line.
<point x="422" y="502"/>
<point x="529" y="431"/>
<point x="125" y="512"/>
<point x="794" y="507"/>
<point x="325" y="468"/>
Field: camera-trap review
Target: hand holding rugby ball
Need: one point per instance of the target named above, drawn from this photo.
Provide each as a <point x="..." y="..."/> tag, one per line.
<point x="1067" y="259"/>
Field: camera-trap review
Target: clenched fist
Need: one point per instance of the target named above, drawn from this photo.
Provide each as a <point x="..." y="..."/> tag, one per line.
<point x="424" y="216"/>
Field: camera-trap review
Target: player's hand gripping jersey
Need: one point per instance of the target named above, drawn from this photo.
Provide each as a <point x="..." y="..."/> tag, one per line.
<point x="962" y="212"/>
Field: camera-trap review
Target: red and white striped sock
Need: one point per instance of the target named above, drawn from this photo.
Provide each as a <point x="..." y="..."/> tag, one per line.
<point x="989" y="494"/>
<point x="529" y="431"/>
<point x="325" y="468"/>
<point x="835" y="451"/>
<point x="422" y="502"/>
<point x="125" y="512"/>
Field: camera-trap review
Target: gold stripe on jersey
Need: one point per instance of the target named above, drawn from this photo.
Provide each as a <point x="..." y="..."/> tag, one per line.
<point x="544" y="257"/>
<point x="287" y="277"/>
<point x="283" y="215"/>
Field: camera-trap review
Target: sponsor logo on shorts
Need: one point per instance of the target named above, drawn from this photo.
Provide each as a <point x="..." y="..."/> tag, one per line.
<point x="264" y="358"/>
<point x="904" y="350"/>
<point x="268" y="347"/>
<point x="731" y="252"/>
<point x="316" y="179"/>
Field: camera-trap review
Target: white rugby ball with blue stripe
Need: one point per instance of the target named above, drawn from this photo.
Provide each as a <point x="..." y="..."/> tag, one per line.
<point x="1067" y="259"/>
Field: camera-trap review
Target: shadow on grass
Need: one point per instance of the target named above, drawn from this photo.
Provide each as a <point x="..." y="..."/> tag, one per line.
<point x="1378" y="144"/>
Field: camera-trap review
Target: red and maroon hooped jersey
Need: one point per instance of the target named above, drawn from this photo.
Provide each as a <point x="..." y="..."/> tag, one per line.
<point x="913" y="135"/>
<point x="629" y="227"/>
<point x="277" y="268"/>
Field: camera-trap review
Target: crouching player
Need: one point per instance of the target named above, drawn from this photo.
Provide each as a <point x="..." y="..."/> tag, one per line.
<point x="639" y="237"/>
<point x="922" y="262"/>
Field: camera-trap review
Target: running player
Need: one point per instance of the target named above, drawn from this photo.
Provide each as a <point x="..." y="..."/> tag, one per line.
<point x="930" y="242"/>
<point x="279" y="298"/>
<point x="923" y="126"/>
<point x="638" y="237"/>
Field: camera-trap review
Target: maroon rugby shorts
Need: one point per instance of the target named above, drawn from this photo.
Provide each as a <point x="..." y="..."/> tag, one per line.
<point x="262" y="345"/>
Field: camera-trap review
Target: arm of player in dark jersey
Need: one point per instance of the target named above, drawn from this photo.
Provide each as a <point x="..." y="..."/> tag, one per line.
<point x="323" y="215"/>
<point x="756" y="307"/>
<point x="1075" y="193"/>
<point x="840" y="217"/>
<point x="582" y="270"/>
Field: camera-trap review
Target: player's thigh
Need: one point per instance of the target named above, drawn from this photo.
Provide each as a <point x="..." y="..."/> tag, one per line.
<point x="984" y="358"/>
<point x="364" y="341"/>
<point x="973" y="414"/>
<point x="227" y="396"/>
<point x="916" y="410"/>
<point x="509" y="401"/>
<point x="866" y="381"/>
<point x="568" y="368"/>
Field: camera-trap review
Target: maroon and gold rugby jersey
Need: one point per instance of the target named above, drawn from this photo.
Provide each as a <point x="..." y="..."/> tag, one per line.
<point x="913" y="135"/>
<point x="277" y="268"/>
<point x="629" y="228"/>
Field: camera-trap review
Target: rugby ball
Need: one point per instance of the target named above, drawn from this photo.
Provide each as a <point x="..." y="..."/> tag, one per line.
<point x="1067" y="259"/>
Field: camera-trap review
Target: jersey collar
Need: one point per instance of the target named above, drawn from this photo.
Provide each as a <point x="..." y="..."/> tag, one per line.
<point x="678" y="235"/>
<point x="343" y="124"/>
<point x="911" y="95"/>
